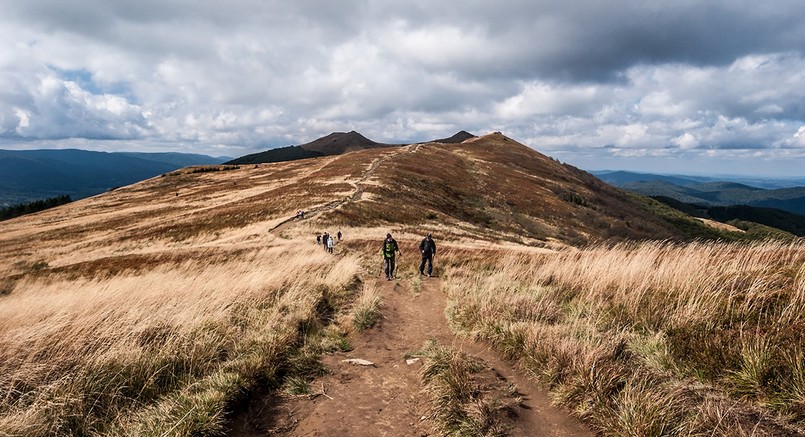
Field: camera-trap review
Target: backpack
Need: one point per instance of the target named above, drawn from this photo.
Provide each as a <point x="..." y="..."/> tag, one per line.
<point x="388" y="248"/>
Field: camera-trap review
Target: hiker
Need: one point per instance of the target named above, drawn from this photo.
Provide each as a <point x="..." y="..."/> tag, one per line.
<point x="389" y="248"/>
<point x="428" y="249"/>
<point x="318" y="239"/>
<point x="302" y="214"/>
<point x="339" y="235"/>
<point x="324" y="239"/>
<point x="330" y="244"/>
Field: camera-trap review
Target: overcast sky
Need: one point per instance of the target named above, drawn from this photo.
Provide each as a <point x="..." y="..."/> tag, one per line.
<point x="677" y="86"/>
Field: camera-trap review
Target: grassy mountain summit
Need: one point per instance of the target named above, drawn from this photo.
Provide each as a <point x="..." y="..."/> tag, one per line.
<point x="493" y="186"/>
<point x="335" y="143"/>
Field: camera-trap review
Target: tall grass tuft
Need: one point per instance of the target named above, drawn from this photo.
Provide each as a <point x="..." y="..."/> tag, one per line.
<point x="366" y="309"/>
<point x="462" y="405"/>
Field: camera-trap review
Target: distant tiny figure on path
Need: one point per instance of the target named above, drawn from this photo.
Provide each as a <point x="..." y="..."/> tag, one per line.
<point x="339" y="235"/>
<point x="330" y="244"/>
<point x="428" y="249"/>
<point x="389" y="250"/>
<point x="324" y="239"/>
<point x="318" y="239"/>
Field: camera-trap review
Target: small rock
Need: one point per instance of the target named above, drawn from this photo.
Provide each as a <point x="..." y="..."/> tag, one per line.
<point x="359" y="361"/>
<point x="411" y="361"/>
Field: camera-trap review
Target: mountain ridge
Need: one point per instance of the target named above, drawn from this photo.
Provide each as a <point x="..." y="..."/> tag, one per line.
<point x="335" y="143"/>
<point x="27" y="175"/>
<point x="711" y="191"/>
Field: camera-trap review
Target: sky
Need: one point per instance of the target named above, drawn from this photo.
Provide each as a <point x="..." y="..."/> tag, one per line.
<point x="684" y="86"/>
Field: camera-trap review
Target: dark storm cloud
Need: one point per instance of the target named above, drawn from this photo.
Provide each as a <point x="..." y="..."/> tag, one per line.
<point x="597" y="40"/>
<point x="700" y="76"/>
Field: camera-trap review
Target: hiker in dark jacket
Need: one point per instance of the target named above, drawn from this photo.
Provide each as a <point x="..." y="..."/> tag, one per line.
<point x="389" y="250"/>
<point x="428" y="249"/>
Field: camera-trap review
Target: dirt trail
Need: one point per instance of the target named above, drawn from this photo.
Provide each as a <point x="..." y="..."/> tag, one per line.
<point x="356" y="196"/>
<point x="386" y="399"/>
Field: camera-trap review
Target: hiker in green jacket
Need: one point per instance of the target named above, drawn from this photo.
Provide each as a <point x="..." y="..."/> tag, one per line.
<point x="389" y="250"/>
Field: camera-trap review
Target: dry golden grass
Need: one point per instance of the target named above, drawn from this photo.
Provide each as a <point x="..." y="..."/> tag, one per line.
<point x="467" y="398"/>
<point x="150" y="309"/>
<point x="169" y="347"/>
<point x="653" y="338"/>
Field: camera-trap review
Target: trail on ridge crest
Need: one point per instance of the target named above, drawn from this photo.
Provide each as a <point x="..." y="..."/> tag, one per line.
<point x="356" y="195"/>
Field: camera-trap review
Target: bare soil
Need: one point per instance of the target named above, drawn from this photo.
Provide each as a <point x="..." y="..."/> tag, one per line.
<point x="386" y="398"/>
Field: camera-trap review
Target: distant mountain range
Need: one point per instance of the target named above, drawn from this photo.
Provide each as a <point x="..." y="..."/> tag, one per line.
<point x="710" y="192"/>
<point x="619" y="178"/>
<point x="335" y="143"/>
<point x="27" y="175"/>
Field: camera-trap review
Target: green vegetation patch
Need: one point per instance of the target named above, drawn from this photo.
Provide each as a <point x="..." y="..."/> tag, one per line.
<point x="21" y="209"/>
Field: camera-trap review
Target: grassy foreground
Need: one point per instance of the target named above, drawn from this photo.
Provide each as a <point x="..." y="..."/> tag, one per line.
<point x="649" y="339"/>
<point x="160" y="351"/>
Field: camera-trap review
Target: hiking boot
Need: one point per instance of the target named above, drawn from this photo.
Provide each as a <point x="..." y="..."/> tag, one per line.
<point x="429" y="275"/>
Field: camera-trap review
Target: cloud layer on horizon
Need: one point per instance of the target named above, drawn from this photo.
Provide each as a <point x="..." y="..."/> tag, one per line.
<point x="587" y="80"/>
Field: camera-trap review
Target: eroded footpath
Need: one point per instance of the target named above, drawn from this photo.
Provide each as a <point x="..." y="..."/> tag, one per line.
<point x="386" y="398"/>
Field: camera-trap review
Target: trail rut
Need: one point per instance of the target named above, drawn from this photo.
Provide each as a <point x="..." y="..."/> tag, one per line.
<point x="386" y="399"/>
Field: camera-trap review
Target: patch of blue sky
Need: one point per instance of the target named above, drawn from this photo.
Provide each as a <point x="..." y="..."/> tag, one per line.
<point x="84" y="79"/>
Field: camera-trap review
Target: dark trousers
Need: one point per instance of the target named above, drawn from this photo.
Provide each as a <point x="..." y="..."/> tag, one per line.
<point x="429" y="260"/>
<point x="389" y="267"/>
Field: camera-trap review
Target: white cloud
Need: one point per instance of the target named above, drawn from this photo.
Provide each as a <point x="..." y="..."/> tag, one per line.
<point x="646" y="78"/>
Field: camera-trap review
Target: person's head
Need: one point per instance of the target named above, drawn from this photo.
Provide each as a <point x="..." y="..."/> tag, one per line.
<point x="428" y="237"/>
<point x="388" y="236"/>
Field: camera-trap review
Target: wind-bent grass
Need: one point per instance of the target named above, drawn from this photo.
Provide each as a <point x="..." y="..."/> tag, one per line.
<point x="164" y="351"/>
<point x="367" y="308"/>
<point x="653" y="338"/>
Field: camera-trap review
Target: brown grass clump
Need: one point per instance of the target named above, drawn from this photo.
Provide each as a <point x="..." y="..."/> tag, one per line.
<point x="467" y="399"/>
<point x="366" y="308"/>
<point x="161" y="351"/>
<point x="653" y="338"/>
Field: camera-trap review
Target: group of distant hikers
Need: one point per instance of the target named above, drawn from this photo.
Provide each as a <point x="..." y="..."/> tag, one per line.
<point x="390" y="249"/>
<point x="327" y="241"/>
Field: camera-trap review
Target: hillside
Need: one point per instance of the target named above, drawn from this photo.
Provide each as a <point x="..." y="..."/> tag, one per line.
<point x="27" y="175"/>
<point x="335" y="143"/>
<point x="195" y="303"/>
<point x="709" y="192"/>
<point x="619" y="178"/>
<point x="793" y="224"/>
<point x="495" y="187"/>
<point x="489" y="187"/>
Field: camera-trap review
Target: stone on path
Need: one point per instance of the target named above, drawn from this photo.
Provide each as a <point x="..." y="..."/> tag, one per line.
<point x="359" y="361"/>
